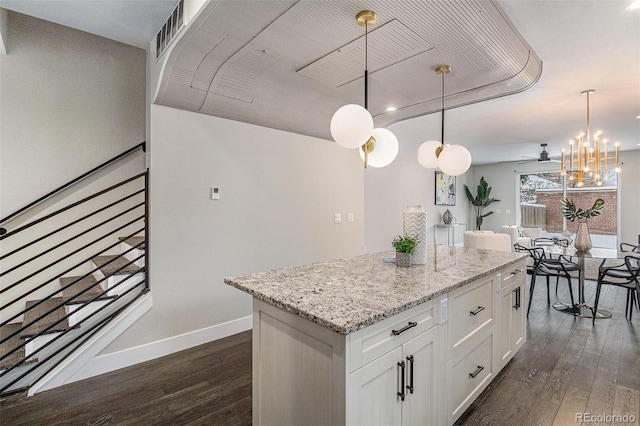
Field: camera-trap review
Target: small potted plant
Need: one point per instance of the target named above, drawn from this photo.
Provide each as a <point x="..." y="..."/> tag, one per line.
<point x="404" y="246"/>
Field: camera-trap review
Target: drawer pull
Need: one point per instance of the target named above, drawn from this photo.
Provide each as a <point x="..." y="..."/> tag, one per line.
<point x="411" y="324"/>
<point x="475" y="373"/>
<point x="477" y="311"/>
<point x="516" y="272"/>
<point x="410" y="385"/>
<point x="401" y="374"/>
<point x="517" y="292"/>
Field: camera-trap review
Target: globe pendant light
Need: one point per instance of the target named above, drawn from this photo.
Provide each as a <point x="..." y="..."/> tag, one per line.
<point x="453" y="160"/>
<point x="352" y="125"/>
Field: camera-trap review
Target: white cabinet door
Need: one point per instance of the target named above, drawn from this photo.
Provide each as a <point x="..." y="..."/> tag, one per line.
<point x="512" y="320"/>
<point x="420" y="406"/>
<point x="410" y="369"/>
<point x="519" y="316"/>
<point x="373" y="391"/>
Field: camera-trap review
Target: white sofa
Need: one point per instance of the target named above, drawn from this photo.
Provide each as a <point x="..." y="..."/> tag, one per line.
<point x="487" y="240"/>
<point x="522" y="236"/>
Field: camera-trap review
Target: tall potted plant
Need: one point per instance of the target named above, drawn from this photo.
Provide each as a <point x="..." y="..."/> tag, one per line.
<point x="571" y="212"/>
<point x="481" y="201"/>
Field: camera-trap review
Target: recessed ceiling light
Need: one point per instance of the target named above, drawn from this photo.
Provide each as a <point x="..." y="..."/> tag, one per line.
<point x="389" y="109"/>
<point x="634" y="5"/>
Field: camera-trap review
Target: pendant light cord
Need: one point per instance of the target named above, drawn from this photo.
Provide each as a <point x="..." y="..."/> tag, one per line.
<point x="442" y="125"/>
<point x="366" y="66"/>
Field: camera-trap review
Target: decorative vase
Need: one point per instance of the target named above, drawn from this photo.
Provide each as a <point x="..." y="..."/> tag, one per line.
<point x="403" y="259"/>
<point x="583" y="239"/>
<point x="415" y="226"/>
<point x="447" y="217"/>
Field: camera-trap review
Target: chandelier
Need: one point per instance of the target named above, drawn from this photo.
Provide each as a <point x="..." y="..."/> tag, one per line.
<point x="589" y="156"/>
<point x="352" y="125"/>
<point x="453" y="160"/>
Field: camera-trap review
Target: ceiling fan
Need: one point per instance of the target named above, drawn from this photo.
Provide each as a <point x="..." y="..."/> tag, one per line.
<point x="543" y="157"/>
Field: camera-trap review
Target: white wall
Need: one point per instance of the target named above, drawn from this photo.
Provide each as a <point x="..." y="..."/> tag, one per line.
<point x="70" y="101"/>
<point x="503" y="179"/>
<point x="404" y="182"/>
<point x="279" y="192"/>
<point x="630" y="196"/>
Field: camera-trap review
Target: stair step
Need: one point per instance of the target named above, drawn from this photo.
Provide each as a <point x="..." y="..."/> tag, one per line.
<point x="53" y="317"/>
<point x="134" y="241"/>
<point x="84" y="283"/>
<point x="6" y="347"/>
<point x="109" y="268"/>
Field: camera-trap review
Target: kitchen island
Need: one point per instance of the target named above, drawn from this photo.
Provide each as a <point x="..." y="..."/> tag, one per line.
<point x="361" y="341"/>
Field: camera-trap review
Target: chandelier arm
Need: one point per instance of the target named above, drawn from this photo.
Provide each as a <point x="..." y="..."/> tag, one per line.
<point x="588" y="122"/>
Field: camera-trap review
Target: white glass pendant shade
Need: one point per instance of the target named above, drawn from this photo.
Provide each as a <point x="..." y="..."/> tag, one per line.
<point x="385" y="151"/>
<point x="454" y="160"/>
<point x="427" y="154"/>
<point x="351" y="126"/>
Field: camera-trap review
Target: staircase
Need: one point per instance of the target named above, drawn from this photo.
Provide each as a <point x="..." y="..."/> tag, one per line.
<point x="66" y="276"/>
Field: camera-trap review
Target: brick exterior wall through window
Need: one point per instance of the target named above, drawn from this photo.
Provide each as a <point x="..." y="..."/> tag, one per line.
<point x="604" y="224"/>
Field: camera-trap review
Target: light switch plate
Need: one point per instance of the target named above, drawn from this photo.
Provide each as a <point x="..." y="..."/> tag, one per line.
<point x="350" y="217"/>
<point x="337" y="218"/>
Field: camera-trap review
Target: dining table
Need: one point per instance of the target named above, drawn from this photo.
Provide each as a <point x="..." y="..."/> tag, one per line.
<point x="581" y="308"/>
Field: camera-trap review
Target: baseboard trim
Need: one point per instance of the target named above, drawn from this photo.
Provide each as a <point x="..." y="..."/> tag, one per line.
<point x="128" y="357"/>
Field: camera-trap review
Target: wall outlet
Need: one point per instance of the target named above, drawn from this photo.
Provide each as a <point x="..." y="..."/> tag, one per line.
<point x="337" y="218"/>
<point x="350" y="217"/>
<point x="443" y="311"/>
<point x="497" y="210"/>
<point x="508" y="211"/>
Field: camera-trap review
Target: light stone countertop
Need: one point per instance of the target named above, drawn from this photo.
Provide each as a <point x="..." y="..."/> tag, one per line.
<point x="346" y="295"/>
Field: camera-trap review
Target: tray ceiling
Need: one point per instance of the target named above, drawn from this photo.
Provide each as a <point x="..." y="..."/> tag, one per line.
<point x="290" y="64"/>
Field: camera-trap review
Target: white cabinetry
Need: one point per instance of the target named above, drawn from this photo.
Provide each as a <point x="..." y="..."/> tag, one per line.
<point x="472" y="316"/>
<point x="512" y="322"/>
<point x="399" y="388"/>
<point x="409" y="369"/>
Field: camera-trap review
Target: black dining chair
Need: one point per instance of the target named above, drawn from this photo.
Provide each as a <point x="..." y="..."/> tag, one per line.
<point x="623" y="275"/>
<point x="548" y="242"/>
<point x="629" y="248"/>
<point x="541" y="265"/>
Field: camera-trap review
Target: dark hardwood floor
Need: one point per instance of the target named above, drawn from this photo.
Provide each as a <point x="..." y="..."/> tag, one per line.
<point x="567" y="366"/>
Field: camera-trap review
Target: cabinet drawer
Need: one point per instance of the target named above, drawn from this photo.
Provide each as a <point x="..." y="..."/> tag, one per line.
<point x="513" y="273"/>
<point x="472" y="372"/>
<point x="471" y="310"/>
<point x="371" y="342"/>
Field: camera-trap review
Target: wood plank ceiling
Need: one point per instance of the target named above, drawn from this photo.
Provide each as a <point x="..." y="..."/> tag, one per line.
<point x="290" y="64"/>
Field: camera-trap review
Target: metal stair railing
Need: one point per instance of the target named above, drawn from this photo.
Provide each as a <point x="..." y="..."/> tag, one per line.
<point x="61" y="244"/>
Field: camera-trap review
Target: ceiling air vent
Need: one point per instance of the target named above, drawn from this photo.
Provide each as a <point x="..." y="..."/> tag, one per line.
<point x="174" y="23"/>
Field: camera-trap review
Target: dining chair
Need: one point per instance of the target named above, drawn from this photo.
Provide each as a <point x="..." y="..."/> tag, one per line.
<point x="629" y="248"/>
<point x="547" y="242"/>
<point x="623" y="275"/>
<point x="539" y="264"/>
